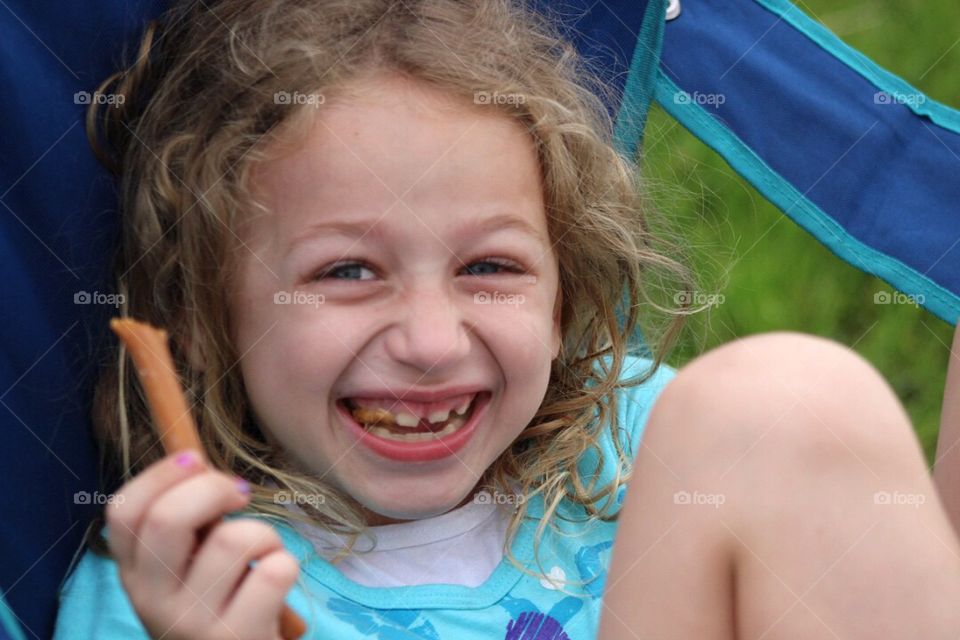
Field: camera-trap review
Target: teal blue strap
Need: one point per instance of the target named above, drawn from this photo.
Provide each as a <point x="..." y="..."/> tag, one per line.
<point x="8" y="622"/>
<point x="938" y="113"/>
<point x="632" y="116"/>
<point x="638" y="92"/>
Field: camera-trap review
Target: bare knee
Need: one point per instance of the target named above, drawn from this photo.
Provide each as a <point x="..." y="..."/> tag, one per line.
<point x="803" y="397"/>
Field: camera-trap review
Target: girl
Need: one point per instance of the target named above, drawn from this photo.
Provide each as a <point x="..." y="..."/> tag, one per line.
<point x="431" y="449"/>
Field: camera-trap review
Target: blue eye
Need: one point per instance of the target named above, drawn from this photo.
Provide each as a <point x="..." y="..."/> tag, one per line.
<point x="497" y="264"/>
<point x="343" y="267"/>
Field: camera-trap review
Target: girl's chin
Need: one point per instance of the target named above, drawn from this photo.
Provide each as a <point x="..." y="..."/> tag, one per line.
<point x="418" y="512"/>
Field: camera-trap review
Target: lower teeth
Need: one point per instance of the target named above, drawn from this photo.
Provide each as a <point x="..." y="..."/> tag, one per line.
<point x="454" y="424"/>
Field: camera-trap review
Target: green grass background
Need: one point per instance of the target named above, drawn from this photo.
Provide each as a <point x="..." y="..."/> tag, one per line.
<point x="772" y="273"/>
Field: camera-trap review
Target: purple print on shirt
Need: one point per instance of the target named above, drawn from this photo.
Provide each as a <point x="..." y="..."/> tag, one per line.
<point x="532" y="625"/>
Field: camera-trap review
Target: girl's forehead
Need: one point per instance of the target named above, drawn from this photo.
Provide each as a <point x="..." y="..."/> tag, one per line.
<point x="368" y="155"/>
<point x="389" y="113"/>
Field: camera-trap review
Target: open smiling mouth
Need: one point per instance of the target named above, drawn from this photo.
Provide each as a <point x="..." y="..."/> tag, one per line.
<point x="406" y="427"/>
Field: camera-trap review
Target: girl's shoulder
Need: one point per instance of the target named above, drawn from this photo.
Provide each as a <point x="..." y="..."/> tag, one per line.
<point x="637" y="400"/>
<point x="633" y="405"/>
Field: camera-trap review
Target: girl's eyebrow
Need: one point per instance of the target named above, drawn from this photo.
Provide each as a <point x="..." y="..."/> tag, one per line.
<point x="371" y="228"/>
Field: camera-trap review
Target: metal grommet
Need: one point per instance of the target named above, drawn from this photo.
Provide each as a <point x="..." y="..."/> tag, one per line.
<point x="673" y="9"/>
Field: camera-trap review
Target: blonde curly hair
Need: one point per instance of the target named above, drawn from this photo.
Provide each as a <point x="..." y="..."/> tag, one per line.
<point x="199" y="101"/>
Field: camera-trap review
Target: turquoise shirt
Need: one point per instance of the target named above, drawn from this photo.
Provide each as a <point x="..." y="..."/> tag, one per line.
<point x="509" y="604"/>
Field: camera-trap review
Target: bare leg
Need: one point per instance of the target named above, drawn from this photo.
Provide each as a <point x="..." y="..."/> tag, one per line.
<point x="780" y="493"/>
<point x="946" y="471"/>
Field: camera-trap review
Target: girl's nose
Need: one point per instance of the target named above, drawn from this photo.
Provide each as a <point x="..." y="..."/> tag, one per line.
<point x="431" y="334"/>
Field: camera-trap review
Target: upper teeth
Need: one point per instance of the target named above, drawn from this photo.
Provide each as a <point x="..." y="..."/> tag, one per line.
<point x="439" y="416"/>
<point x="409" y="420"/>
<point x="404" y="419"/>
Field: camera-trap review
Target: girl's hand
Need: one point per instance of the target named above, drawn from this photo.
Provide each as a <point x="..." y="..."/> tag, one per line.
<point x="946" y="472"/>
<point x="185" y="590"/>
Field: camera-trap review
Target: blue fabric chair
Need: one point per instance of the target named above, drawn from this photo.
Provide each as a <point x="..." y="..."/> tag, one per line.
<point x="867" y="172"/>
<point x="57" y="225"/>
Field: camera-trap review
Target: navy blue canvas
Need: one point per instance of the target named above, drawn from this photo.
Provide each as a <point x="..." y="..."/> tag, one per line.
<point x="57" y="224"/>
<point x="604" y="32"/>
<point x="884" y="173"/>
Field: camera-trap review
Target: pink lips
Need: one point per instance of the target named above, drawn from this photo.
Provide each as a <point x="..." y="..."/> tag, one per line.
<point x="422" y="451"/>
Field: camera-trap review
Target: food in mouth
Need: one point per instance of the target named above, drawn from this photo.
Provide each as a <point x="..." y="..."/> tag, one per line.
<point x="373" y="416"/>
<point x="407" y="427"/>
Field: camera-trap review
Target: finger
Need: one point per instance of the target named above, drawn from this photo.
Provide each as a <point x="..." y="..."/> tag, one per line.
<point x="168" y="535"/>
<point x="124" y="514"/>
<point x="224" y="558"/>
<point x="258" y="601"/>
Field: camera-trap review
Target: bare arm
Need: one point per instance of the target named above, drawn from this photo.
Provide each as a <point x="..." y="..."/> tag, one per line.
<point x="946" y="472"/>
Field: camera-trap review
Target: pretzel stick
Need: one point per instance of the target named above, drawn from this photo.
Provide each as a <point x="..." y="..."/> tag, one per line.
<point x="172" y="418"/>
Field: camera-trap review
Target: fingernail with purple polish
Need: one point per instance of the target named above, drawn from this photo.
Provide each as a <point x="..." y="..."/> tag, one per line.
<point x="243" y="486"/>
<point x="186" y="459"/>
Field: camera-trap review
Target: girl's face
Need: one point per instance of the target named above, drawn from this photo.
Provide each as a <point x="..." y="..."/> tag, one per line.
<point x="406" y="249"/>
